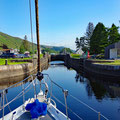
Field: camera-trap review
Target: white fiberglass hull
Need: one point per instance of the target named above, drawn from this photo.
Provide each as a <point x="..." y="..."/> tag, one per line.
<point x="54" y="114"/>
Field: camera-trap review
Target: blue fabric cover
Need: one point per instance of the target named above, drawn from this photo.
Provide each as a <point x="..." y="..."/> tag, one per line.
<point x="37" y="108"/>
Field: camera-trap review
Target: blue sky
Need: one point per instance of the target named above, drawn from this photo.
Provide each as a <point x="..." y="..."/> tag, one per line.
<point x="61" y="21"/>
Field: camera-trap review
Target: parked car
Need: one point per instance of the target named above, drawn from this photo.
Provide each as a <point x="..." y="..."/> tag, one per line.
<point x="21" y="56"/>
<point x="8" y="55"/>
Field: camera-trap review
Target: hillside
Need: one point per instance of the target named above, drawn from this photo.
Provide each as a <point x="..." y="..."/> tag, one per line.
<point x="9" y="41"/>
<point x="15" y="42"/>
<point x="12" y="42"/>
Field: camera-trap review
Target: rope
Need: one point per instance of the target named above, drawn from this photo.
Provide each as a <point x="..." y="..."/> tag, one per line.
<point x="31" y="25"/>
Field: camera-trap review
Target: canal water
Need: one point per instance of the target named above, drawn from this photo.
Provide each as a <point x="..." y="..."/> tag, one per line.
<point x="101" y="95"/>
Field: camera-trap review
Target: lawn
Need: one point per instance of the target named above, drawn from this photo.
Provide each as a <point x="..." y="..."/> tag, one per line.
<point x="116" y="62"/>
<point x="2" y="60"/>
<point x="75" y="55"/>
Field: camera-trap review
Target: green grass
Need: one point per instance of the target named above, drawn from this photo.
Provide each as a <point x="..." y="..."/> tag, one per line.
<point x="41" y="55"/>
<point x="116" y="62"/>
<point x="99" y="59"/>
<point x="75" y="55"/>
<point x="2" y="62"/>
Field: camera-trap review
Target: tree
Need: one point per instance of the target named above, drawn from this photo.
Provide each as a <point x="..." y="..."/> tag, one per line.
<point x="113" y="35"/>
<point x="84" y="42"/>
<point x="99" y="39"/>
<point x="22" y="49"/>
<point x="81" y="44"/>
<point x="77" y="42"/>
<point x="88" y="34"/>
<point x="25" y="45"/>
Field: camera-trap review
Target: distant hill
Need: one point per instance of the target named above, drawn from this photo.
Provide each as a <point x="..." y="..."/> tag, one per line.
<point x="54" y="48"/>
<point x="15" y="42"/>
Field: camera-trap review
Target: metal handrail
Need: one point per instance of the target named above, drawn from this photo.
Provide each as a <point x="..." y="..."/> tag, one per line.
<point x="67" y="107"/>
<point x="54" y="82"/>
<point x="99" y="114"/>
<point x="51" y="95"/>
<point x="18" y="96"/>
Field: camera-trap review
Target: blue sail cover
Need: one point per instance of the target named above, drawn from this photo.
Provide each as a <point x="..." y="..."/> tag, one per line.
<point x="37" y="108"/>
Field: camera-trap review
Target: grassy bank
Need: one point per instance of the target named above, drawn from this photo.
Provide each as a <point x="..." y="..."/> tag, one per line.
<point x="116" y="62"/>
<point x="75" y="56"/>
<point x="2" y="60"/>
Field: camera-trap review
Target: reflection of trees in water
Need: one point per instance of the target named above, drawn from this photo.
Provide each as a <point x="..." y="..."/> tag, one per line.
<point x="89" y="89"/>
<point x="119" y="109"/>
<point x="79" y="78"/>
<point x="100" y="88"/>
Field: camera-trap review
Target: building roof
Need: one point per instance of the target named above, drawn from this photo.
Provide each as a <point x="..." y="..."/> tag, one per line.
<point x="5" y="49"/>
<point x="26" y="52"/>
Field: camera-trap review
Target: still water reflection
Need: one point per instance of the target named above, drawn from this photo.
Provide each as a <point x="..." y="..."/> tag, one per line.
<point x="102" y="95"/>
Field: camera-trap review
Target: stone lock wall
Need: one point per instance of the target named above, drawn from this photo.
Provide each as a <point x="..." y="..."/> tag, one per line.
<point x="8" y="71"/>
<point x="89" y="67"/>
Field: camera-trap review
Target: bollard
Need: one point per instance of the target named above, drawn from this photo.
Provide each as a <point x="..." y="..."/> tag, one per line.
<point x="6" y="62"/>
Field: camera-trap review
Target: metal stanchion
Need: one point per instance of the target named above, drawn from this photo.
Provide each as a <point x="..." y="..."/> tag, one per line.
<point x="3" y="103"/>
<point x="98" y="115"/>
<point x="23" y="93"/>
<point x="65" y="97"/>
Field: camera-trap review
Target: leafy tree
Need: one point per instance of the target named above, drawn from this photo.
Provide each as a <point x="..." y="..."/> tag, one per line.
<point x="25" y="45"/>
<point x="88" y="34"/>
<point x="78" y="45"/>
<point x="99" y="39"/>
<point x="113" y="35"/>
<point x="84" y="42"/>
<point x="35" y="51"/>
<point x="81" y="44"/>
<point x="22" y="49"/>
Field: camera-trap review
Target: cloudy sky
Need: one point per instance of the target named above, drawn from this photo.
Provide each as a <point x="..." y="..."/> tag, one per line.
<point x="61" y="21"/>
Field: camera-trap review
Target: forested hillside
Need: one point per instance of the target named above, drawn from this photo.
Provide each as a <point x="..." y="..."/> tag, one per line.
<point x="15" y="42"/>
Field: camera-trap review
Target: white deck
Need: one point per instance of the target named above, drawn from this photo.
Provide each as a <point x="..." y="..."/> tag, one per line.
<point x="53" y="114"/>
<point x="22" y="114"/>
